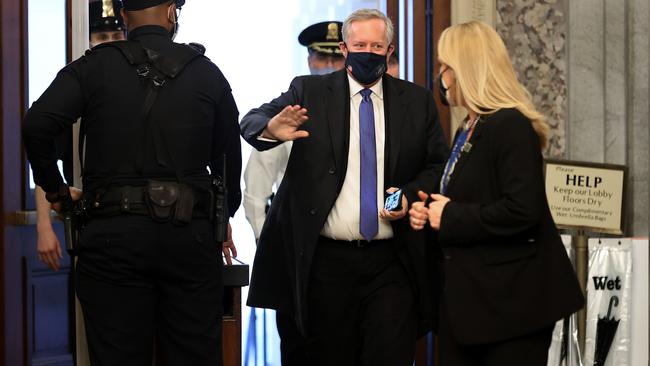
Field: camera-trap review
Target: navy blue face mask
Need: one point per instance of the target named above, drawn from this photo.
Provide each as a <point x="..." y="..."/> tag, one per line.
<point x="366" y="67"/>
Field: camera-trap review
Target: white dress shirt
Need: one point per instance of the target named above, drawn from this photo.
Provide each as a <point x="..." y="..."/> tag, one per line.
<point x="343" y="220"/>
<point x="262" y="176"/>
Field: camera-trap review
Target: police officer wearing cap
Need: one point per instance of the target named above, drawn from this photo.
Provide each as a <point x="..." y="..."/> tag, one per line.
<point x="265" y="169"/>
<point x="106" y="22"/>
<point x="321" y="40"/>
<point x="160" y="125"/>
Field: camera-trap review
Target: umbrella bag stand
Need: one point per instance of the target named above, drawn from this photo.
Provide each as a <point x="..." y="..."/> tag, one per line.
<point x="607" y="338"/>
<point x="580" y="263"/>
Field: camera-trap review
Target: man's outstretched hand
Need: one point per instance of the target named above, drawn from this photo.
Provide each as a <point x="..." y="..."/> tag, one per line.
<point x="285" y="126"/>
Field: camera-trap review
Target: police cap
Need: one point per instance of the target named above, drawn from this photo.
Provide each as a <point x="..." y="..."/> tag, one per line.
<point x="132" y="5"/>
<point x="323" y="38"/>
<point x="105" y="16"/>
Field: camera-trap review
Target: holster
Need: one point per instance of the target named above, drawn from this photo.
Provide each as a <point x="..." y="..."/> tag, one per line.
<point x="73" y="217"/>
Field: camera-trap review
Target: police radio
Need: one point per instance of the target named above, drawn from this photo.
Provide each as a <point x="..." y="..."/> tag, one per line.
<point x="221" y="206"/>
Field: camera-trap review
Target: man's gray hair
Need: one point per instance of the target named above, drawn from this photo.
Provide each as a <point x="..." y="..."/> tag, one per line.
<point x="368" y="14"/>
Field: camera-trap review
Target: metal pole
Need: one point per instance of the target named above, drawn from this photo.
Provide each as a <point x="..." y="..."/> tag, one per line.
<point x="582" y="262"/>
<point x="264" y="336"/>
<point x="428" y="36"/>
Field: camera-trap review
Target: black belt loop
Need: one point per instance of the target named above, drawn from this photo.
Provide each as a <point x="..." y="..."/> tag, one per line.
<point x="359" y="243"/>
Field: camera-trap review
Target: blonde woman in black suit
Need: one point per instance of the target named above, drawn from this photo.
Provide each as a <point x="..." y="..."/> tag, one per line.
<point x="507" y="278"/>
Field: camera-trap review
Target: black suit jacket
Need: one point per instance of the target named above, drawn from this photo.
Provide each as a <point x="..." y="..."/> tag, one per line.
<point x="415" y="151"/>
<point x="505" y="268"/>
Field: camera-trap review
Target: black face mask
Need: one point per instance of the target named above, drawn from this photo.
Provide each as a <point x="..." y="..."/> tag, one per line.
<point x="367" y="67"/>
<point x="443" y="91"/>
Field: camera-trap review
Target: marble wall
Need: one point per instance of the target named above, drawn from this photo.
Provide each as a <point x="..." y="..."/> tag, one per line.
<point x="585" y="63"/>
<point x="608" y="93"/>
<point x="535" y="34"/>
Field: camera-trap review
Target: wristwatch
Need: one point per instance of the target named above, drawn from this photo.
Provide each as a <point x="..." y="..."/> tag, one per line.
<point x="63" y="193"/>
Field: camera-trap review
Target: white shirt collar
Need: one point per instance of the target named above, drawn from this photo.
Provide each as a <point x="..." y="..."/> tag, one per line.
<point x="355" y="87"/>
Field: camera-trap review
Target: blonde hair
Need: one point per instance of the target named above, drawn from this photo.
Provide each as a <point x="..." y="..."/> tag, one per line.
<point x="368" y="14"/>
<point x="485" y="78"/>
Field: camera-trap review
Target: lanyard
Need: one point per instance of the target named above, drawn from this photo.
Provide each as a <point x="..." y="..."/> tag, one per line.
<point x="459" y="147"/>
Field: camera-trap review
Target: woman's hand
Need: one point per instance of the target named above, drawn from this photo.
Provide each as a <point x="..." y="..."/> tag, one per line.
<point x="435" y="210"/>
<point x="418" y="214"/>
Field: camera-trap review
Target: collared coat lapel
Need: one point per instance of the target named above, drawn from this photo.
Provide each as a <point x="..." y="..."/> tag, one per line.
<point x="395" y="112"/>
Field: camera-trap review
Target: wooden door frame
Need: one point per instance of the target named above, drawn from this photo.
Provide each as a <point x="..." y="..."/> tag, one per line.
<point x="430" y="18"/>
<point x="441" y="21"/>
<point x="13" y="96"/>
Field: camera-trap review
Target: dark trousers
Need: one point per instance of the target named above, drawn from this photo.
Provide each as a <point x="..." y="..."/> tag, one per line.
<point x="138" y="280"/>
<point x="293" y="347"/>
<point x="530" y="349"/>
<point x="361" y="307"/>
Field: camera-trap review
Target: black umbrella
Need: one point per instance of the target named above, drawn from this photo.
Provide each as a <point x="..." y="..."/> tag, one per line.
<point x="605" y="332"/>
<point x="565" y="340"/>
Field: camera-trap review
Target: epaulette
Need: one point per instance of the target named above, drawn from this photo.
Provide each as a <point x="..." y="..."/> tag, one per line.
<point x="197" y="47"/>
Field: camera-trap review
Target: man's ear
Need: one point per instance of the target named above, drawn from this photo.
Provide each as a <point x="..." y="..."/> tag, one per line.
<point x="391" y="49"/>
<point x="125" y="17"/>
<point x="171" y="13"/>
<point x="343" y="49"/>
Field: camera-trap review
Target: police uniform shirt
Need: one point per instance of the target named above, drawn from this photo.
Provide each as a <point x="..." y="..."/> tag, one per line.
<point x="263" y="173"/>
<point x="196" y="110"/>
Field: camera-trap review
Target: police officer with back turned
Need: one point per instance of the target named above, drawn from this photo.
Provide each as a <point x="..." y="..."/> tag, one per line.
<point x="160" y="129"/>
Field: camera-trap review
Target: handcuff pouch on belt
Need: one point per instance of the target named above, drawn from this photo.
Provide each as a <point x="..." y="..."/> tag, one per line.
<point x="170" y="201"/>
